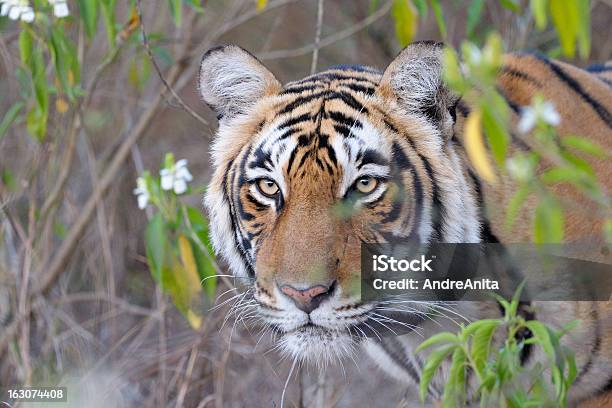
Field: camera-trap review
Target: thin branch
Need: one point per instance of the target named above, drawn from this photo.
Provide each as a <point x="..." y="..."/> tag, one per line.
<point x="145" y="41"/>
<point x="315" y="52"/>
<point x="55" y="194"/>
<point x="327" y="41"/>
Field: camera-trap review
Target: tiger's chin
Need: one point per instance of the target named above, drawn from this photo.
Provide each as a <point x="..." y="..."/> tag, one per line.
<point x="317" y="345"/>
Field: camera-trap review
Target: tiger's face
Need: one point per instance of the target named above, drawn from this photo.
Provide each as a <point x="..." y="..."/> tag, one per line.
<point x="307" y="172"/>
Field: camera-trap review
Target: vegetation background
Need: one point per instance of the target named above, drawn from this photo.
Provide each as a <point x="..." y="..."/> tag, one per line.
<point x="78" y="304"/>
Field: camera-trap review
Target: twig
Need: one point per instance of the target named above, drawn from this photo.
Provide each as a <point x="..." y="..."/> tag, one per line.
<point x="329" y="40"/>
<point x="53" y="197"/>
<point x="315" y="52"/>
<point x="185" y="385"/>
<point x="145" y="41"/>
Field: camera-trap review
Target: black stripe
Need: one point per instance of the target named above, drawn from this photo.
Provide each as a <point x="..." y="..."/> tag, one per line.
<point x="601" y="111"/>
<point x="301" y="101"/>
<point x="368" y="90"/>
<point x="241" y="182"/>
<point x="404" y="163"/>
<point x="288" y="133"/>
<point x="233" y="219"/>
<point x="522" y="75"/>
<point x="294" y="121"/>
<point x="299" y="89"/>
<point x="335" y="76"/>
<point x="596" y="347"/>
<point x="515" y="108"/>
<point x="262" y="160"/>
<point x="607" y="388"/>
<point x="345" y="120"/>
<point x="258" y="206"/>
<point x="463" y="109"/>
<point x="438" y="208"/>
<point x="324" y="144"/>
<point x="371" y="156"/>
<point x="399" y="357"/>
<point x="345" y="131"/>
<point x="349" y="100"/>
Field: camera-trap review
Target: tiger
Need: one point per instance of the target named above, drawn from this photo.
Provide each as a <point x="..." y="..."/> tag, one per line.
<point x="286" y="157"/>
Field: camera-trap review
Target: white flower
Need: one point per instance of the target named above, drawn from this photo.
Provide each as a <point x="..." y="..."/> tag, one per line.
<point x="520" y="168"/>
<point x="142" y="193"/>
<point x="17" y="10"/>
<point x="176" y="177"/>
<point x="530" y="115"/>
<point x="60" y="8"/>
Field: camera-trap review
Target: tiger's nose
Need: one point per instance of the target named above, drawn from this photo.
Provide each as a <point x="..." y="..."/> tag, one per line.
<point x="310" y="298"/>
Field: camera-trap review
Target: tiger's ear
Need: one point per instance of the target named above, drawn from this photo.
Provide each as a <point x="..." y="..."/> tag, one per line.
<point x="414" y="78"/>
<point x="231" y="80"/>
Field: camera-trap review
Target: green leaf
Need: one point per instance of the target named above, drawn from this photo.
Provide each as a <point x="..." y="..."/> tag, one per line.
<point x="176" y="11"/>
<point x="454" y="392"/>
<point x="474" y="12"/>
<point x="8" y="179"/>
<point x="89" y="15"/>
<point x="497" y="134"/>
<point x="538" y="9"/>
<point x="195" y="5"/>
<point x="156" y="245"/>
<point x="203" y="251"/>
<point x="561" y="174"/>
<point x="421" y="6"/>
<point x="41" y="90"/>
<point x="36" y="123"/>
<point x="174" y="269"/>
<point x="406" y="21"/>
<point x="437" y="10"/>
<point x="584" y="145"/>
<point x="516" y="203"/>
<point x="25" y="47"/>
<point x="481" y="343"/>
<point x="444" y="337"/>
<point x="477" y="325"/>
<point x="432" y="363"/>
<point x="9" y="117"/>
<point x="511" y="5"/>
<point x="565" y="17"/>
<point x="108" y="14"/>
<point x="63" y="54"/>
<point x="549" y="222"/>
<point x="139" y="71"/>
<point x="542" y="335"/>
<point x="584" y="27"/>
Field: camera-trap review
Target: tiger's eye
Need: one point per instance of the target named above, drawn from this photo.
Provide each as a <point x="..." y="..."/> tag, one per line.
<point x="366" y="185"/>
<point x="267" y="187"/>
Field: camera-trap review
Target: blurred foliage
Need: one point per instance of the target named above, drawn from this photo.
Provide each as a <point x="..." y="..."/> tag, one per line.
<point x="179" y="253"/>
<point x="502" y="380"/>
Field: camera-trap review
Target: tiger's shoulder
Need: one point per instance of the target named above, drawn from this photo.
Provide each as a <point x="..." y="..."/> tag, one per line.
<point x="583" y="100"/>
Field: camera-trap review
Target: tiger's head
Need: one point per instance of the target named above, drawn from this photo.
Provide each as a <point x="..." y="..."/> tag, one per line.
<point x="306" y="172"/>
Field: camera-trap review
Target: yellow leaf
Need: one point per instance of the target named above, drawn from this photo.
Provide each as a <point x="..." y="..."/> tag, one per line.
<point x="261" y="4"/>
<point x="188" y="261"/>
<point x="194" y="320"/>
<point x="190" y="279"/>
<point x="70" y="78"/>
<point x="475" y="147"/>
<point x="61" y="105"/>
<point x="406" y="21"/>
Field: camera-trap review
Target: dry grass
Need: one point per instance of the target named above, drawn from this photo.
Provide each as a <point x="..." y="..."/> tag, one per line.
<point x="77" y="303"/>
